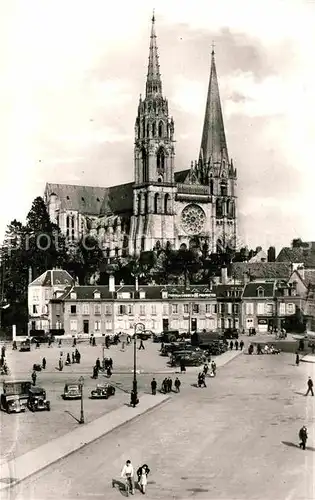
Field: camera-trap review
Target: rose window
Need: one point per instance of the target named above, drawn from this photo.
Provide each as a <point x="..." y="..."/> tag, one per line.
<point x="193" y="219"/>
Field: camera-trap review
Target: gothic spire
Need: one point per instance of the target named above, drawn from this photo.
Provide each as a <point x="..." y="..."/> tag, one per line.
<point x="154" y="83"/>
<point x="213" y="142"/>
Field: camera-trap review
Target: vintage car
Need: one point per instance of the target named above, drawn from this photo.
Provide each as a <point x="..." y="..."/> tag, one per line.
<point x="37" y="399"/>
<point x="190" y="358"/>
<point x="72" y="391"/>
<point x="25" y="346"/>
<point x="103" y="391"/>
<point x="15" y="396"/>
<point x="231" y="333"/>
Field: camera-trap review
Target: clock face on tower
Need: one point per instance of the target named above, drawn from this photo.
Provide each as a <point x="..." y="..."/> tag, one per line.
<point x="193" y="219"/>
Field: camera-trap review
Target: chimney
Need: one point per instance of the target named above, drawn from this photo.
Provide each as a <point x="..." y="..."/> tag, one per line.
<point x="111" y="283"/>
<point x="246" y="278"/>
<point x="30" y="275"/>
<point x="224" y="275"/>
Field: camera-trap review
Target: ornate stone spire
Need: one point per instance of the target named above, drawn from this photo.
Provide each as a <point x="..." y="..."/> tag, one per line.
<point x="213" y="142"/>
<point x="154" y="83"/>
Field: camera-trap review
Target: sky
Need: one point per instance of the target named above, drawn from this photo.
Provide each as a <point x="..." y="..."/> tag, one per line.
<point x="71" y="73"/>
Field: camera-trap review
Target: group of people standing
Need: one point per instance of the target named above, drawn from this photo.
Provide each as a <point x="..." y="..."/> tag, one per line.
<point x="128" y="474"/>
<point x="237" y="345"/>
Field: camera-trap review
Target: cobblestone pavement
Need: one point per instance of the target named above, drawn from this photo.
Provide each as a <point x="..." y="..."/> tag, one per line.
<point x="234" y="440"/>
<point x="22" y="432"/>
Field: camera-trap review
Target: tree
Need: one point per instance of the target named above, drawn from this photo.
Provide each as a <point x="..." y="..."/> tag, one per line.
<point x="84" y="259"/>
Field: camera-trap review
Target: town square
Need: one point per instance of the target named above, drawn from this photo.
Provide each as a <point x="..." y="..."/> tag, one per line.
<point x="157" y="250"/>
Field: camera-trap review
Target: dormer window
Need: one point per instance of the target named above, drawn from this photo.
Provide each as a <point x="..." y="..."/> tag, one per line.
<point x="97" y="294"/>
<point x="260" y="292"/>
<point x="73" y="295"/>
<point x="164" y="294"/>
<point x="141" y="295"/>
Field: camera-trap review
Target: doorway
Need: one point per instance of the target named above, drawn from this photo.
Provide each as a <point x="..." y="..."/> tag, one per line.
<point x="165" y="325"/>
<point x="193" y="324"/>
<point x="85" y="326"/>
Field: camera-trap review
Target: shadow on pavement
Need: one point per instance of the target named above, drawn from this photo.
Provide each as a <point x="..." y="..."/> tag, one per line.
<point x="69" y="413"/>
<point x="120" y="486"/>
<point x="294" y="445"/>
<point x="299" y="393"/>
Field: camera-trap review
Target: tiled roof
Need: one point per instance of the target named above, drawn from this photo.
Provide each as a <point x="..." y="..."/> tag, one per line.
<point x="117" y="199"/>
<point x="53" y="277"/>
<point x="304" y="256"/>
<point x="261" y="270"/>
<point x="309" y="277"/>
<point x="181" y="176"/>
<point x="250" y="290"/>
<point x="221" y="290"/>
<point x="85" y="199"/>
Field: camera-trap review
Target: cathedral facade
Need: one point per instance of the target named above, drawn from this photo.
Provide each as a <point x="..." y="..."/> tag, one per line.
<point x="193" y="207"/>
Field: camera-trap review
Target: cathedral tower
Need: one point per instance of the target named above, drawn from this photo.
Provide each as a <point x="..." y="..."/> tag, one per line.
<point x="215" y="167"/>
<point x="152" y="223"/>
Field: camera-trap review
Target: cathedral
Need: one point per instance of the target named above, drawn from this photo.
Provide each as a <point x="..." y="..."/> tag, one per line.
<point x="190" y="208"/>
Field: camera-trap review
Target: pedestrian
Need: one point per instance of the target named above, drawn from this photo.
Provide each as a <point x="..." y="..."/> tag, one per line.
<point x="170" y="384"/>
<point x="313" y="348"/>
<point x="164" y="386"/>
<point x="128" y="474"/>
<point x="73" y="358"/>
<point x="91" y="337"/>
<point x="206" y="369"/>
<point x="3" y="351"/>
<point x="236" y="345"/>
<point x="34" y="376"/>
<point x="44" y="363"/>
<point x="310" y="387"/>
<point x="153" y="387"/>
<point x="297" y="359"/>
<point x="182" y="366"/>
<point x="133" y="399"/>
<point x="231" y="345"/>
<point x="14" y="347"/>
<point x="142" y="474"/>
<point x="68" y="362"/>
<point x="241" y="345"/>
<point x="74" y="342"/>
<point x="49" y="342"/>
<point x="94" y="341"/>
<point x="107" y="341"/>
<point x="303" y="437"/>
<point x="59" y="343"/>
<point x="177" y="384"/>
<point x="95" y="372"/>
<point x="214" y="368"/>
<point x="60" y="364"/>
<point x="201" y="380"/>
<point x="37" y="345"/>
<point x="109" y="372"/>
<point x="128" y="339"/>
<point x="98" y="363"/>
<point x="110" y="363"/>
<point x="141" y="346"/>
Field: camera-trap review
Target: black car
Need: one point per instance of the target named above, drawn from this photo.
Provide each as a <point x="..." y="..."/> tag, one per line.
<point x="25" y="346"/>
<point x="230" y="333"/>
<point x="37" y="399"/>
<point x="103" y="391"/>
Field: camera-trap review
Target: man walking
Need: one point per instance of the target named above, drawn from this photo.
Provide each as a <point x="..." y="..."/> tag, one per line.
<point x="128" y="474"/>
<point x="231" y="345"/>
<point x="310" y="387"/>
<point x="297" y="359"/>
<point x="177" y="384"/>
<point x="236" y="345"/>
<point x="303" y="437"/>
<point x="241" y="345"/>
<point x="34" y="376"/>
<point x="141" y="346"/>
<point x="44" y="363"/>
<point x="153" y="387"/>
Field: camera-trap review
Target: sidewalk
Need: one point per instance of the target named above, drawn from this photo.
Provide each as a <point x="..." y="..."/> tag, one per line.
<point x="17" y="470"/>
<point x="308" y="358"/>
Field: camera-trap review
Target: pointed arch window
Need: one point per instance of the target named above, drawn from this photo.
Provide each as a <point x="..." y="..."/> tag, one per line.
<point x="220" y="246"/>
<point x="156" y="203"/>
<point x="139" y="203"/>
<point x="143" y="127"/>
<point x="160" y="159"/>
<point x="153" y="129"/>
<point x="148" y="130"/>
<point x="166" y="203"/>
<point x="145" y="203"/>
<point x="142" y="243"/>
<point x="211" y="185"/>
<point x="219" y="208"/>
<point x="145" y="170"/>
<point x="161" y="129"/>
<point x="224" y="188"/>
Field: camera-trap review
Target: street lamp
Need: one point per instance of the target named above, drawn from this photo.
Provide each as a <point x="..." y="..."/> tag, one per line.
<point x="138" y="328"/>
<point x="81" y="382"/>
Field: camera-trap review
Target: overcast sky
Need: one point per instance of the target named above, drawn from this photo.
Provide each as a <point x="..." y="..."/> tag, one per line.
<point x="72" y="72"/>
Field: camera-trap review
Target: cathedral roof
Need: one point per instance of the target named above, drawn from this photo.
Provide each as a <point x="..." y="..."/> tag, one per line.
<point x="85" y="199"/>
<point x="93" y="200"/>
<point x="304" y="256"/>
<point x="213" y="142"/>
<point x="181" y="176"/>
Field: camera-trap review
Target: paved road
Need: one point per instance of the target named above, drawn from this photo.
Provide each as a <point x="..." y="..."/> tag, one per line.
<point x="233" y="440"/>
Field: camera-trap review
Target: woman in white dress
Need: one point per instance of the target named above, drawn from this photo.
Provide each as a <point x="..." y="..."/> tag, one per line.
<point x="142" y="474"/>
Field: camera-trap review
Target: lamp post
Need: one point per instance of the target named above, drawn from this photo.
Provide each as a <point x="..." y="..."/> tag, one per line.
<point x="138" y="328"/>
<point x="81" y="381"/>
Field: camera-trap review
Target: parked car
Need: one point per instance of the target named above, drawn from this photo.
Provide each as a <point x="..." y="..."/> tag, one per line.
<point x="230" y="333"/>
<point x="25" y="346"/>
<point x="190" y="358"/>
<point x="144" y="335"/>
<point x="103" y="391"/>
<point x="157" y="337"/>
<point x="72" y="391"/>
<point x="42" y="339"/>
<point x="15" y="396"/>
<point x="176" y="346"/>
<point x="37" y="399"/>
